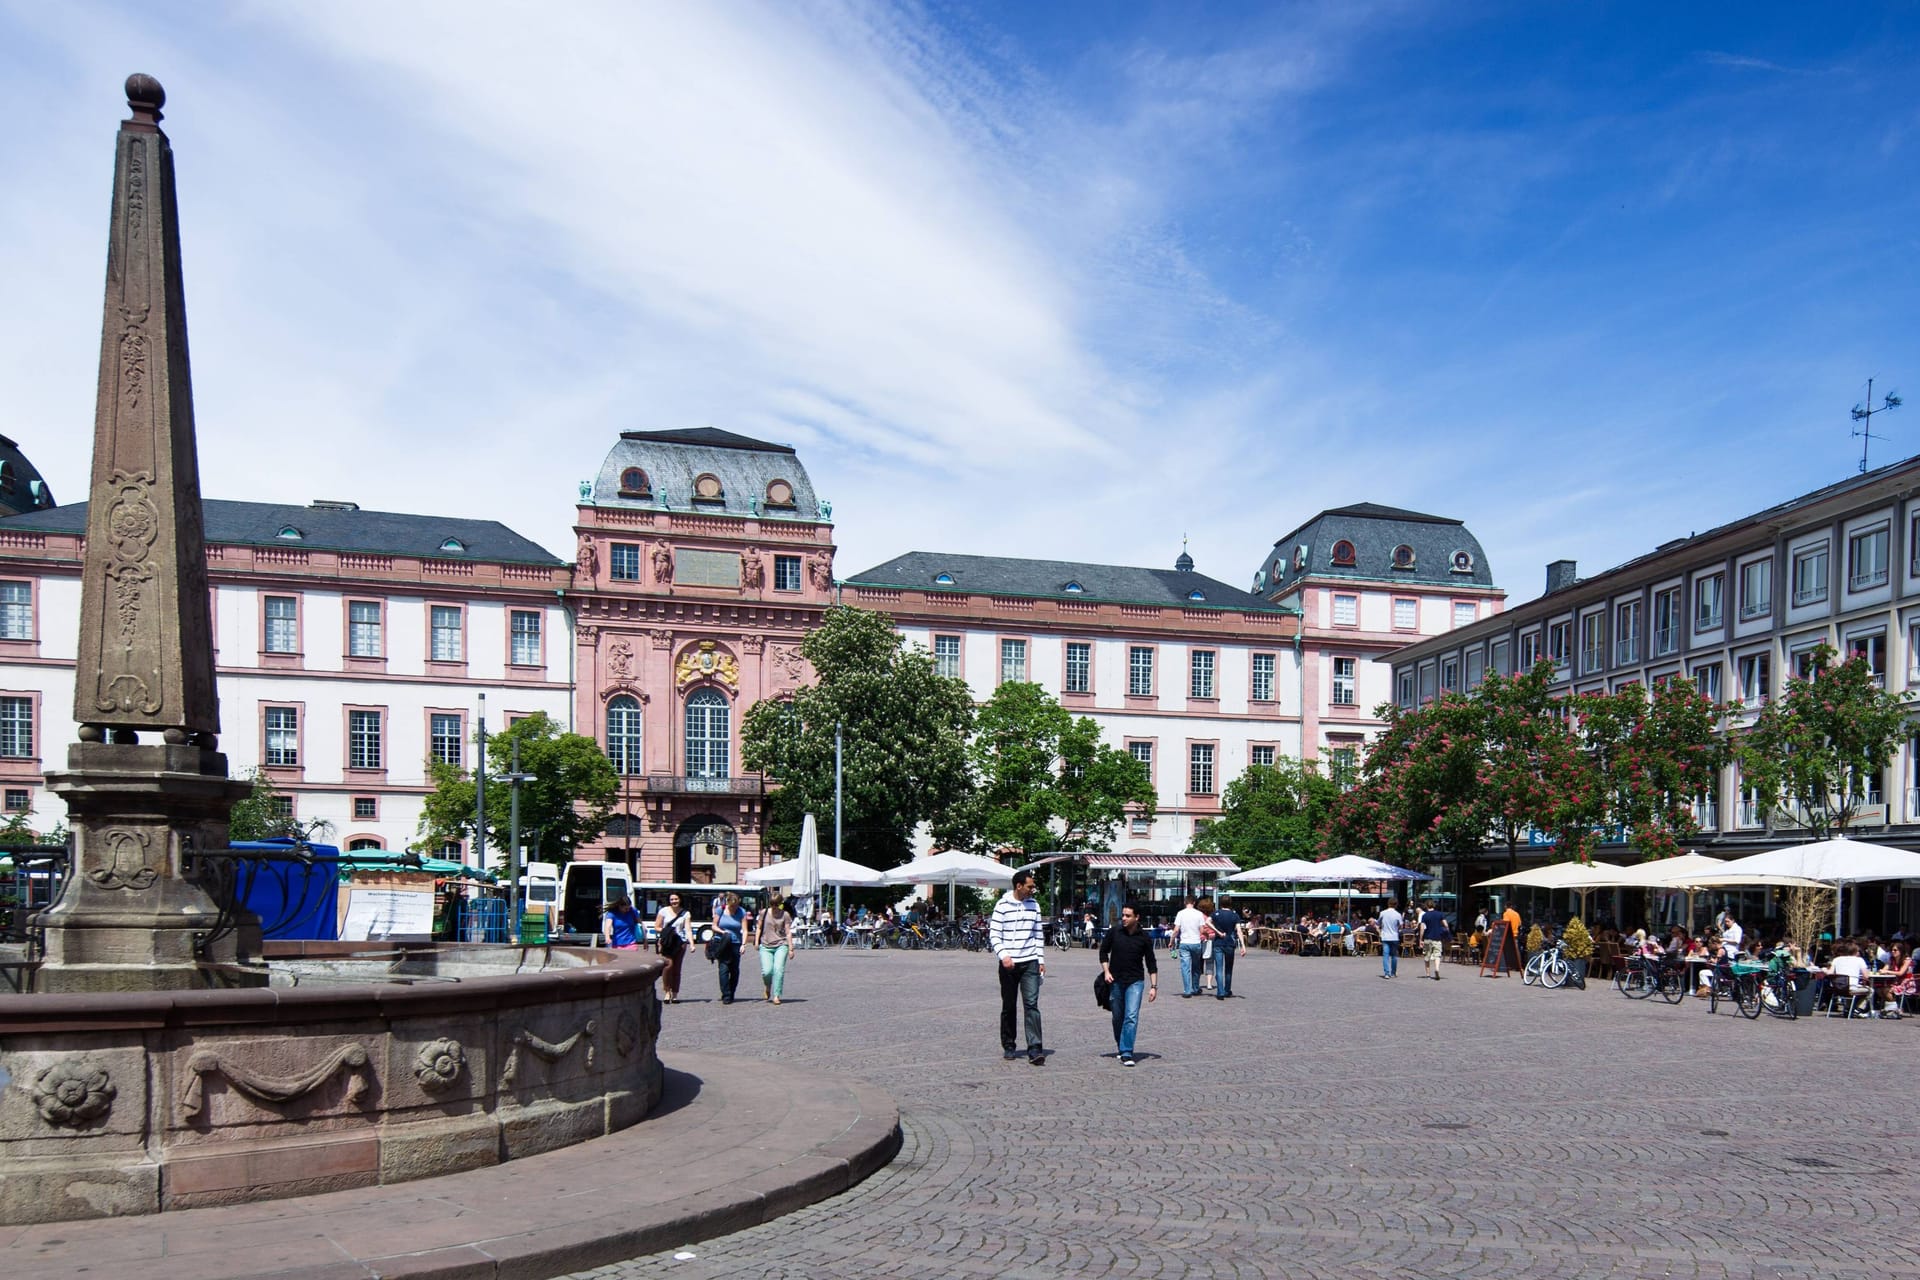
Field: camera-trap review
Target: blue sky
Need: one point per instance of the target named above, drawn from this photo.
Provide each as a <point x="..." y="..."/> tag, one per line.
<point x="1064" y="280"/>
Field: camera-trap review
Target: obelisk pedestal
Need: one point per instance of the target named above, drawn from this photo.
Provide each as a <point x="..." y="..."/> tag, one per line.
<point x="131" y="916"/>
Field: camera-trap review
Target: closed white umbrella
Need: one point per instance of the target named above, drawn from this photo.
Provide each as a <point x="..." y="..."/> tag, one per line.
<point x="806" y="870"/>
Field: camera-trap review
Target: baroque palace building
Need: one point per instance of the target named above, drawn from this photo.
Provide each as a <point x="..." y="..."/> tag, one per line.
<point x="353" y="646"/>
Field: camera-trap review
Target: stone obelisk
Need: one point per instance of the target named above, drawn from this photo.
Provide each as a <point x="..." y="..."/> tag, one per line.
<point x="133" y="916"/>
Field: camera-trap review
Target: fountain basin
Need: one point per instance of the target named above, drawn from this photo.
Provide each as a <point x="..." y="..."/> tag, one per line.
<point x="363" y="1064"/>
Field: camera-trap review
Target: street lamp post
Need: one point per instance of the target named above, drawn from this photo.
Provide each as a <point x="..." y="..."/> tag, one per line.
<point x="513" y="780"/>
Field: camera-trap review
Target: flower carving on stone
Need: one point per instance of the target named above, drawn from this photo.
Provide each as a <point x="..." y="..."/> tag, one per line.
<point x="438" y="1064"/>
<point x="74" y="1094"/>
<point x="626" y="1033"/>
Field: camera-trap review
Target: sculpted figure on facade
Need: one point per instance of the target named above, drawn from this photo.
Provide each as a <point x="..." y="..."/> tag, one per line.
<point x="620" y="659"/>
<point x="587" y="562"/>
<point x="822" y="570"/>
<point x="753" y="644"/>
<point x="663" y="565"/>
<point x="661" y="637"/>
<point x="788" y="665"/>
<point x="753" y="574"/>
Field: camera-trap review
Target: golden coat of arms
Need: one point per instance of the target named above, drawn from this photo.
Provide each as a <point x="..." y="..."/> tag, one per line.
<point x="707" y="661"/>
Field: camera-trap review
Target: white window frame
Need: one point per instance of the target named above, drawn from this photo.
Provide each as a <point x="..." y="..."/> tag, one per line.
<point x="1346" y="683"/>
<point x="1876" y="571"/>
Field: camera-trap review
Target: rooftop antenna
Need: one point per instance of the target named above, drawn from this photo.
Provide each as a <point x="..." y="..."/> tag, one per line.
<point x="1863" y="414"/>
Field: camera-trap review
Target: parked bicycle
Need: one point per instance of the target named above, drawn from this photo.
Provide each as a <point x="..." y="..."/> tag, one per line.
<point x="1547" y="967"/>
<point x="1780" y="989"/>
<point x="1740" y="989"/>
<point x="1642" y="976"/>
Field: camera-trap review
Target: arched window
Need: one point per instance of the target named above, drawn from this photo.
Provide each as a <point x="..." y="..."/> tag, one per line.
<point x="1463" y="562"/>
<point x="707" y="734"/>
<point x="452" y="544"/>
<point x="1403" y="556"/>
<point x="623" y="734"/>
<point x="1343" y="553"/>
<point x="290" y="533"/>
<point x="634" y="484"/>
<point x="943" y="579"/>
<point x="363" y="842"/>
<point x="707" y="488"/>
<point x="779" y="494"/>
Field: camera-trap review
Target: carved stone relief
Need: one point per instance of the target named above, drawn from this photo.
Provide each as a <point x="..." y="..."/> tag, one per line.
<point x="124" y="864"/>
<point x="273" y="1090"/>
<point x="439" y="1064"/>
<point x="546" y="1050"/>
<point x="620" y="659"/>
<point x="74" y="1094"/>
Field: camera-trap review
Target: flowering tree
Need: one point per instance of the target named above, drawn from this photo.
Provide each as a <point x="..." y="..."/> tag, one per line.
<point x="1809" y="753"/>
<point x="1653" y="755"/>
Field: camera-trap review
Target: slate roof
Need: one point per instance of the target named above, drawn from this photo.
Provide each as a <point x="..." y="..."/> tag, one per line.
<point x="674" y="460"/>
<point x="1375" y="532"/>
<point x="21" y="486"/>
<point x="258" y="524"/>
<point x="1049" y="579"/>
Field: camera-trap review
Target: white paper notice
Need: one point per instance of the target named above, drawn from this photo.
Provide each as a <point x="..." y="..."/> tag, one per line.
<point x="387" y="913"/>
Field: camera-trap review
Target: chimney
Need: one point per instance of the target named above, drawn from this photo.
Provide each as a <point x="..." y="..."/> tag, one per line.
<point x="1561" y="574"/>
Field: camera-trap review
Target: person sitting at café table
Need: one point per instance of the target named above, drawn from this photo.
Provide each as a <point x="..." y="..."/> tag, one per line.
<point x="1900" y="968"/>
<point x="1846" y="963"/>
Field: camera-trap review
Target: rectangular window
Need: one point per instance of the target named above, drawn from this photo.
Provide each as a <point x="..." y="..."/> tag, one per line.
<point x="447" y="642"/>
<point x="19" y="799"/>
<point x="526" y="638"/>
<point x="1756" y="589"/>
<point x="363" y="629"/>
<point x="946" y="656"/>
<point x="1810" y="574"/>
<point x="1874" y="649"/>
<point x="1013" y="661"/>
<point x="1450" y="674"/>
<point x="1143" y="752"/>
<point x="1706" y="678"/>
<point x="16" y="611"/>
<point x="283" y="624"/>
<point x="623" y="561"/>
<point x="1464" y="612"/>
<point x="283" y="737"/>
<point x="1498" y="661"/>
<point x="696" y="567"/>
<point x="1263" y="664"/>
<point x="366" y="807"/>
<point x="1756" y="678"/>
<point x="363" y="740"/>
<point x="446" y="734"/>
<point x="1262" y="756"/>
<point x="1709" y="595"/>
<point x="1476" y="667"/>
<point x="1343" y="767"/>
<point x="1200" y="769"/>
<point x="1529" y="652"/>
<point x="1343" y="682"/>
<point x="1403" y="688"/>
<point x="16" y="728"/>
<point x="1406" y="615"/>
<point x="1139" y="672"/>
<point x="1666" y="621"/>
<point x="1200" y="677"/>
<point x="1801" y="662"/>
<point x="786" y="573"/>
<point x="1593" y="642"/>
<point x="281" y="806"/>
<point x="1346" y="611"/>
<point x="1141" y="826"/>
<point x="1426" y="683"/>
<point x="1626" y="634"/>
<point x="1079" y="666"/>
<point x="1867" y="558"/>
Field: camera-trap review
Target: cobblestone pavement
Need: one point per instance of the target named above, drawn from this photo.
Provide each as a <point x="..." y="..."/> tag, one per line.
<point x="1327" y="1122"/>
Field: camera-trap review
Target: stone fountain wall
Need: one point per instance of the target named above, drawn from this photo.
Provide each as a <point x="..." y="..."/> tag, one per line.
<point x="435" y="1061"/>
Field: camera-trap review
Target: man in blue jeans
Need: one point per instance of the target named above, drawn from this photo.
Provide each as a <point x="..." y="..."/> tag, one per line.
<point x="1187" y="924"/>
<point x="1390" y="922"/>
<point x="1126" y="955"/>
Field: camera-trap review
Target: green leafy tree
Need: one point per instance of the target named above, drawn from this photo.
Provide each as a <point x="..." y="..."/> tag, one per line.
<point x="1043" y="779"/>
<point x="1272" y="812"/>
<point x="567" y="803"/>
<point x="264" y="815"/>
<point x="1809" y="753"/>
<point x="904" y="733"/>
<point x="1654" y="755"/>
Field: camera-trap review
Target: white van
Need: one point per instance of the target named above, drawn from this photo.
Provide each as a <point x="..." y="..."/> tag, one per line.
<point x="540" y="892"/>
<point x="585" y="890"/>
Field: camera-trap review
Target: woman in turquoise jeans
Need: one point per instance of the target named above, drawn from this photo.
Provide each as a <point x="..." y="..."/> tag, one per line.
<point x="773" y="931"/>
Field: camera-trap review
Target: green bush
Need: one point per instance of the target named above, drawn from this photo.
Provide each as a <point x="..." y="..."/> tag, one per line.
<point x="1578" y="941"/>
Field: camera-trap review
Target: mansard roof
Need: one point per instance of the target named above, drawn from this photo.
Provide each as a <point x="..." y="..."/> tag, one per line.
<point x="1388" y="544"/>
<point x="331" y="527"/>
<point x="706" y="469"/>
<point x="941" y="571"/>
<point x="21" y="486"/>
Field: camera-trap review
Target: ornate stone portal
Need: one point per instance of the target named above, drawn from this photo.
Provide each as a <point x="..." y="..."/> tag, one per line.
<point x="132" y="917"/>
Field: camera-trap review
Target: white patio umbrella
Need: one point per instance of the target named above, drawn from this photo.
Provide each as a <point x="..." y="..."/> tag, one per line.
<point x="1281" y="871"/>
<point x="832" y="871"/>
<point x="1556" y="875"/>
<point x="1838" y="862"/>
<point x="1351" y="866"/>
<point x="951" y="867"/>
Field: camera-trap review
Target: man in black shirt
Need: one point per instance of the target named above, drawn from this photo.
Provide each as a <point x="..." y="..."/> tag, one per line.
<point x="1126" y="955"/>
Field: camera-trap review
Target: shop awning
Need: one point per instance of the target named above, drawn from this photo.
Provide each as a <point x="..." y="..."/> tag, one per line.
<point x="1160" y="862"/>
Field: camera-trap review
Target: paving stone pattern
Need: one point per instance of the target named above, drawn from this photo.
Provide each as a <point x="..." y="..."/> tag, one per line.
<point x="1327" y="1122"/>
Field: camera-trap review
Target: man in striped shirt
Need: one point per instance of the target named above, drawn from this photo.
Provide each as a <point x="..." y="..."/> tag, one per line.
<point x="1018" y="938"/>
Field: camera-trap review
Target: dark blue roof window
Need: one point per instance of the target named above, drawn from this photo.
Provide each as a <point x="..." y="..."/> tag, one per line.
<point x="290" y="533"/>
<point x="454" y="545"/>
<point x="1074" y="587"/>
<point x="943" y="579"/>
<point x="1196" y="594"/>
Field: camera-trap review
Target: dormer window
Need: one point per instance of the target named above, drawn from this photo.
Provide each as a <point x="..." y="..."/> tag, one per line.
<point x="1074" y="588"/>
<point x="707" y="488"/>
<point x="1343" y="554"/>
<point x="1196" y="594"/>
<point x="1300" y="556"/>
<point x="1463" y="562"/>
<point x="779" y="494"/>
<point x="1279" y="569"/>
<point x="634" y="484"/>
<point x="1403" y="556"/>
<point x="1259" y="581"/>
<point x="290" y="533"/>
<point x="454" y="545"/>
<point x="943" y="579"/>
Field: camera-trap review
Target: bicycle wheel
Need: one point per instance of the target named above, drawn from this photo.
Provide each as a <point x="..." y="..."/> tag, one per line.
<point x="1746" y="988"/>
<point x="1786" y="997"/>
<point x="1553" y="974"/>
<point x="1624" y="978"/>
<point x="1714" y="995"/>
<point x="1673" y="986"/>
<point x="1531" y="974"/>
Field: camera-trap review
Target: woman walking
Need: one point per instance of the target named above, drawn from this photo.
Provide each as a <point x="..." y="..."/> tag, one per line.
<point x="620" y="924"/>
<point x="1126" y="955"/>
<point x="773" y="934"/>
<point x="672" y="945"/>
<point x="729" y="930"/>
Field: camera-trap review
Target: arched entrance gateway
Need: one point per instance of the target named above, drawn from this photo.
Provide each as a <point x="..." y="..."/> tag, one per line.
<point x="706" y="850"/>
